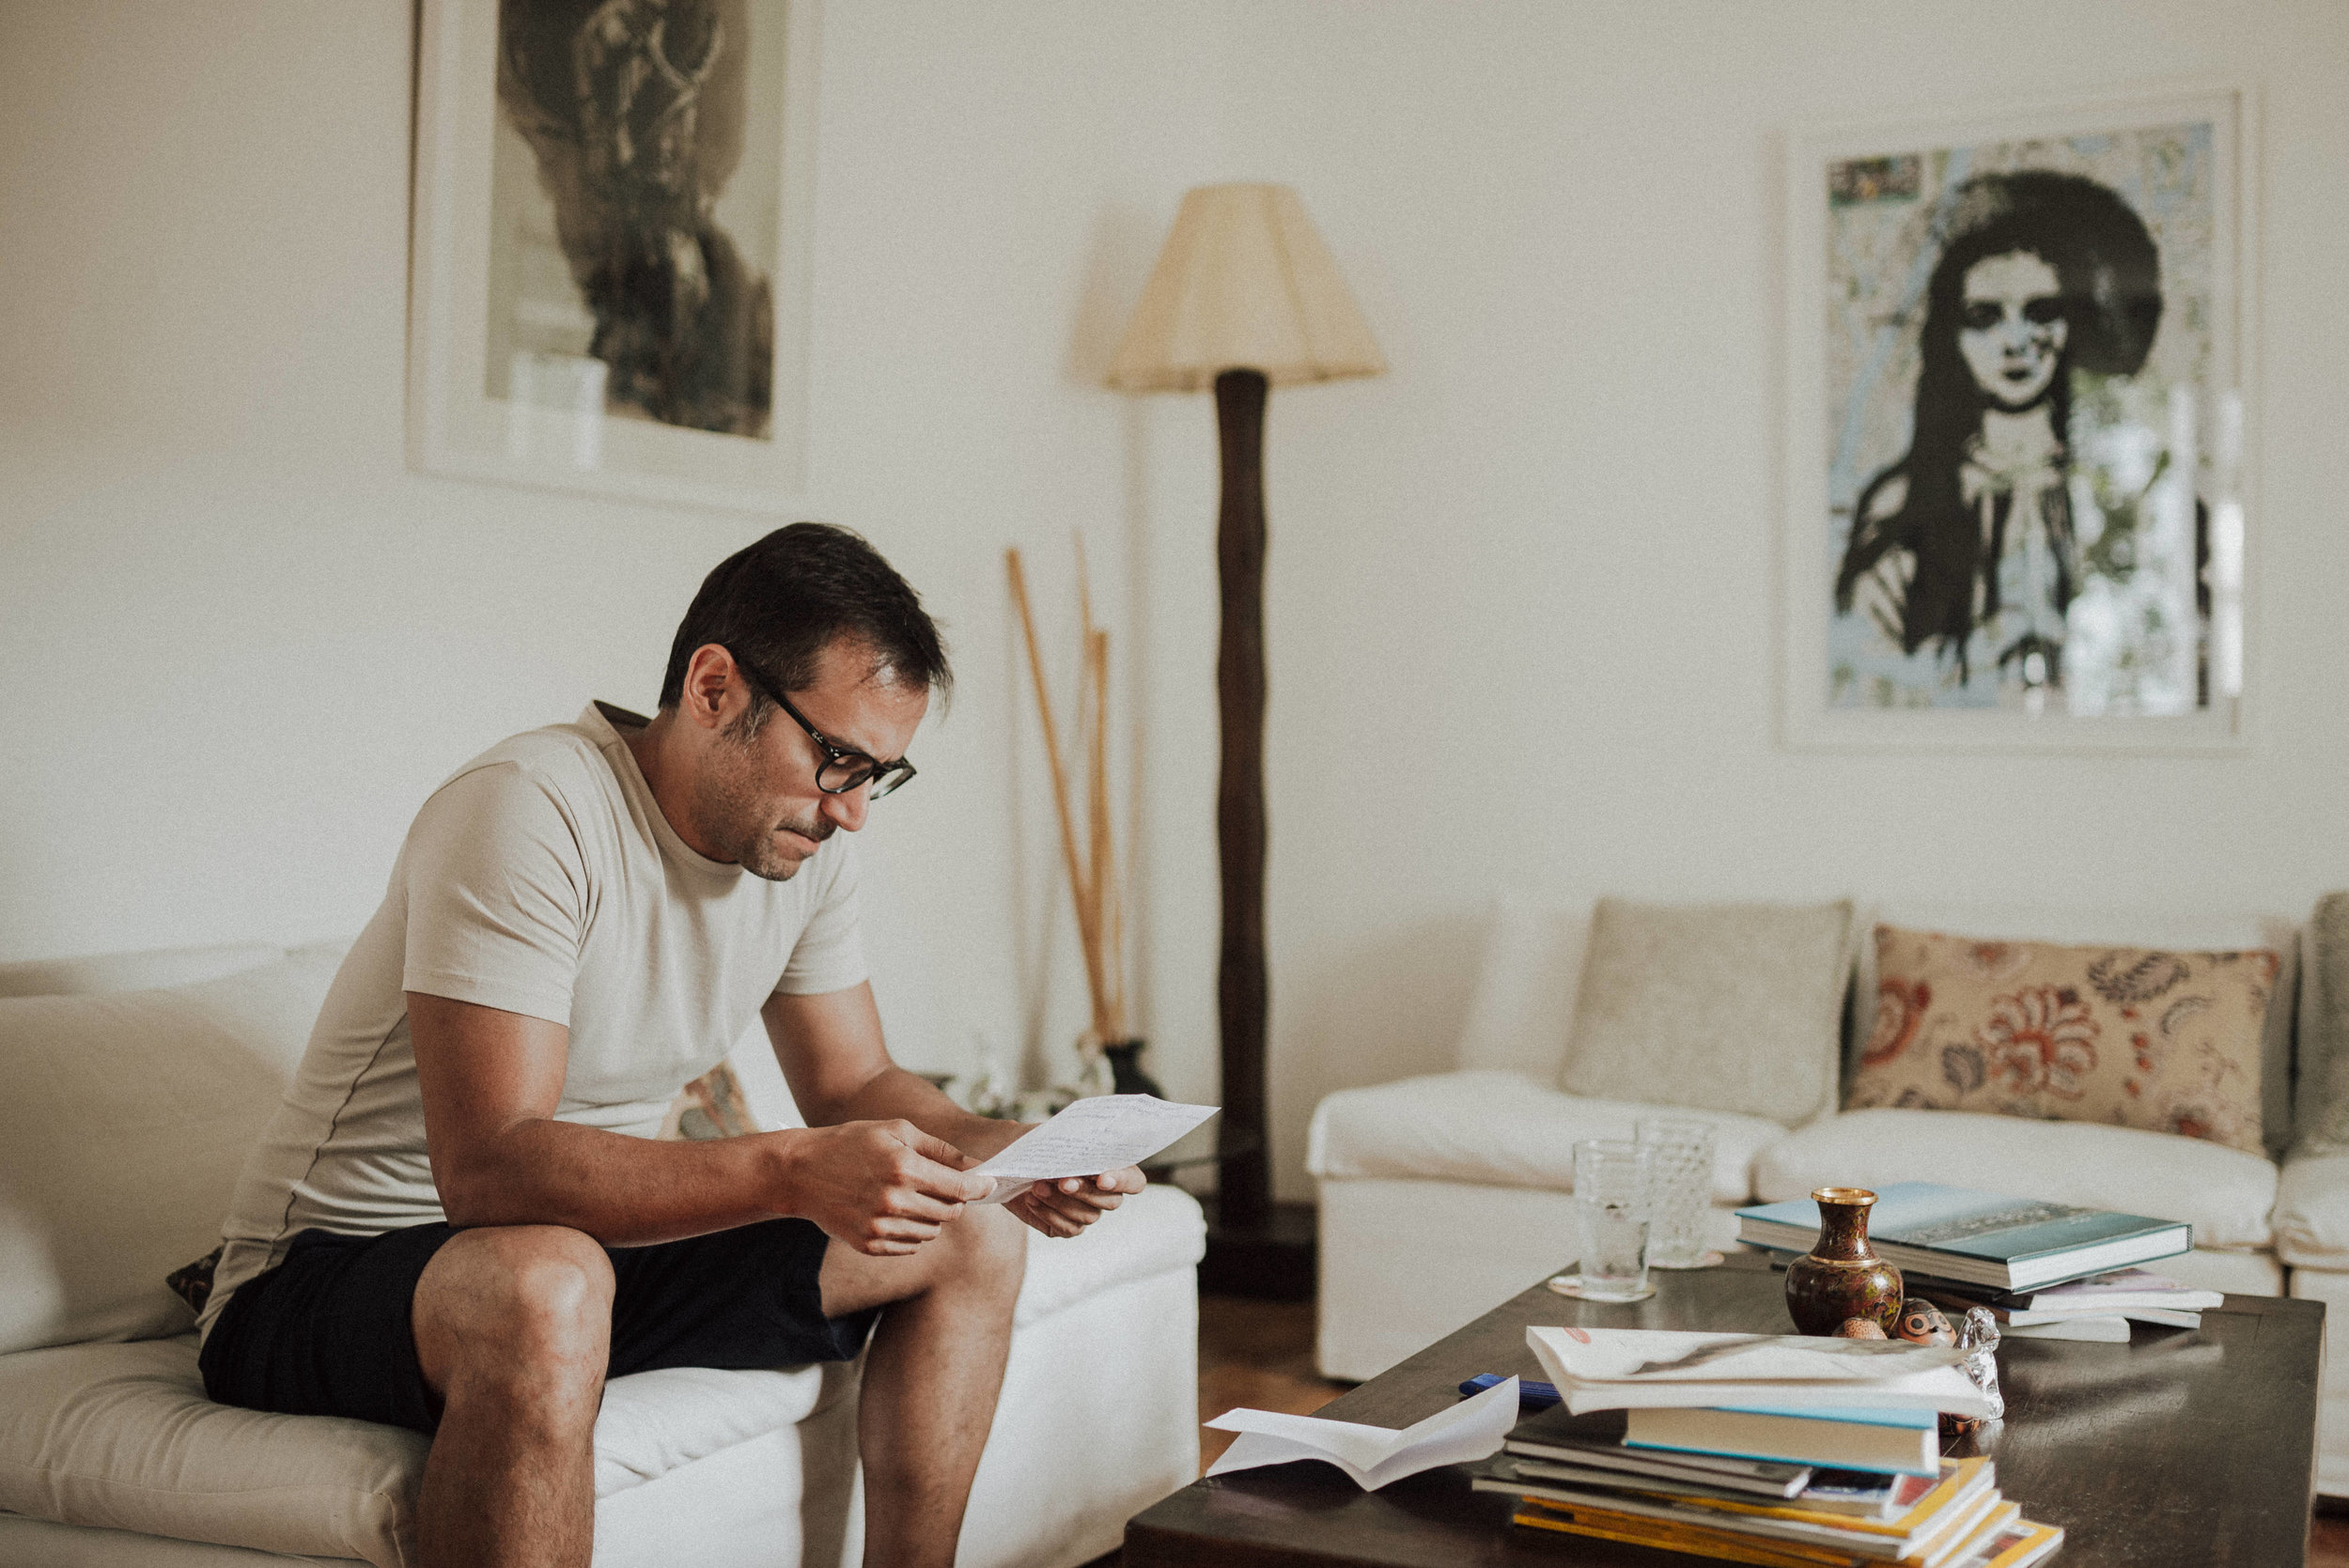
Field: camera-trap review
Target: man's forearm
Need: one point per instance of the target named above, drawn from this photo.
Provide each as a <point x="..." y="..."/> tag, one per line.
<point x="894" y="1092"/>
<point x="622" y="1191"/>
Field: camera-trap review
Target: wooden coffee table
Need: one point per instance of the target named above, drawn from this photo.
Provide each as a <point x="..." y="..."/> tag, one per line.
<point x="2179" y="1448"/>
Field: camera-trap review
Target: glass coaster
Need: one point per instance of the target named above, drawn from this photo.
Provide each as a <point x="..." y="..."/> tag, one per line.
<point x="1703" y="1260"/>
<point x="1571" y="1284"/>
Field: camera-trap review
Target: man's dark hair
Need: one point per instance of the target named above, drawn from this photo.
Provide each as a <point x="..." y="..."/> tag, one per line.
<point x="778" y="604"/>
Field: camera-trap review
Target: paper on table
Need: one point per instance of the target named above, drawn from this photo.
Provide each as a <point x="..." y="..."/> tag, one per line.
<point x="1104" y="1133"/>
<point x="1373" y="1455"/>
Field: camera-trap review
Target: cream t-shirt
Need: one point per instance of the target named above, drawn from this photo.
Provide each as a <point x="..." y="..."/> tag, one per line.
<point x="540" y="878"/>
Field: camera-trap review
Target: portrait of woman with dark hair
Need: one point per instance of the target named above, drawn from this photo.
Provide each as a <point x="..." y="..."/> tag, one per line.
<point x="1964" y="549"/>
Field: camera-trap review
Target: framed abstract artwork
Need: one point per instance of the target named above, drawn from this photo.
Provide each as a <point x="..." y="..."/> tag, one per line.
<point x="609" y="268"/>
<point x="2019" y="361"/>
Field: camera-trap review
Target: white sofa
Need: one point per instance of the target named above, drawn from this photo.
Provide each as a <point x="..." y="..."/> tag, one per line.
<point x="134" y="1085"/>
<point x="1442" y="1195"/>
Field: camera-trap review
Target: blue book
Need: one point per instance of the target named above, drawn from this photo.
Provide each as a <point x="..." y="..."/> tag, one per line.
<point x="1980" y="1238"/>
<point x="1899" y="1442"/>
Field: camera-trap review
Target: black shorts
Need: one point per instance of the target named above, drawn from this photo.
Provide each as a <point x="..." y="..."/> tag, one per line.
<point x="327" y="1332"/>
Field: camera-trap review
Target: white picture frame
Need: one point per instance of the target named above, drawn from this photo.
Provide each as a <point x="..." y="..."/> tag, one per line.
<point x="567" y="431"/>
<point x="1839" y="430"/>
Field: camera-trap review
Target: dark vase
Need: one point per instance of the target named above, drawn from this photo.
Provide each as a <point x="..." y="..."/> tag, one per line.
<point x="1841" y="1276"/>
<point x="1125" y="1074"/>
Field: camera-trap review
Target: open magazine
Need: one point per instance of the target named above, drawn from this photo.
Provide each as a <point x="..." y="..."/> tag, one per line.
<point x="1612" y="1369"/>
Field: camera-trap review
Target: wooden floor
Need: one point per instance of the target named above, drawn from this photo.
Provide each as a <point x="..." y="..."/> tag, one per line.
<point x="1260" y="1353"/>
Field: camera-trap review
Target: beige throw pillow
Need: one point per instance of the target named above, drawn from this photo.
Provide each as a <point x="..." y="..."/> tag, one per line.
<point x="2135" y="1037"/>
<point x="127" y="1119"/>
<point x="2323" y="1099"/>
<point x="1717" y="1007"/>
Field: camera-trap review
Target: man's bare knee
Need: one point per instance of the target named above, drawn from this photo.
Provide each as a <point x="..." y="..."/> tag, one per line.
<point x="525" y="1304"/>
<point x="994" y="1248"/>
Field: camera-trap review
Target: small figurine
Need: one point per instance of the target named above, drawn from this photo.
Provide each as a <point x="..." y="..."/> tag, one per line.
<point x="1920" y="1323"/>
<point x="1858" y="1328"/>
<point x="1979" y="1340"/>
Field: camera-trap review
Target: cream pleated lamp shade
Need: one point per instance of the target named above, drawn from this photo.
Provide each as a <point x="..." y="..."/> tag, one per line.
<point x="1244" y="283"/>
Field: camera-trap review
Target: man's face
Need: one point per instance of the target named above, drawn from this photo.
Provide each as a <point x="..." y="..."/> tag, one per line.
<point x="755" y="799"/>
<point x="2012" y="329"/>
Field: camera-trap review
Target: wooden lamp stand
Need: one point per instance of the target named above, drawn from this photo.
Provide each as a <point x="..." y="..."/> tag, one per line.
<point x="1244" y="296"/>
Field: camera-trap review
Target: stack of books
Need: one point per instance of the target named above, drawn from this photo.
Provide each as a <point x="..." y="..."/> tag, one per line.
<point x="1770" y="1449"/>
<point x="1979" y="1241"/>
<point x="2098" y="1308"/>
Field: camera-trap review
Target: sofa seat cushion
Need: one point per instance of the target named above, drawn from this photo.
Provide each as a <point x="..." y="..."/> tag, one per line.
<point x="121" y="1435"/>
<point x="2313" y="1212"/>
<point x="1501" y="1129"/>
<point x="1158" y="1228"/>
<point x="2224" y="1193"/>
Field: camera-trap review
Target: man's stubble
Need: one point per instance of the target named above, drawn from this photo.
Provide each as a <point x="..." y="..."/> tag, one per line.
<point x="739" y="823"/>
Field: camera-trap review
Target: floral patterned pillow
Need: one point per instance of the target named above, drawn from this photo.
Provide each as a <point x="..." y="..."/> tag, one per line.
<point x="2166" y="1042"/>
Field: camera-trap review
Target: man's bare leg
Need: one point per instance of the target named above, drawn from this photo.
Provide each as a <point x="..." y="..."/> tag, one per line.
<point x="513" y="1326"/>
<point x="931" y="1376"/>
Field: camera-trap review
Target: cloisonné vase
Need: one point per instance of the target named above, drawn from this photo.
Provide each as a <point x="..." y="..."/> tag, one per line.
<point x="1841" y="1277"/>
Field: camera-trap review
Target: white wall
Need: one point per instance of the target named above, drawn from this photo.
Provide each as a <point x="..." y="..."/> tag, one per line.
<point x="239" y="640"/>
<point x="1548" y="537"/>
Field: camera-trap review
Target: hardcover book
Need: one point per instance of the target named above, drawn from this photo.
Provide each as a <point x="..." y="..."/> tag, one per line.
<point x="1981" y="1238"/>
<point x="2126" y="1291"/>
<point x="1594" y="1442"/>
<point x="1903" y="1442"/>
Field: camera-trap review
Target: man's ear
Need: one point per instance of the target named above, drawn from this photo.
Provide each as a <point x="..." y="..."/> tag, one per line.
<point x="714" y="692"/>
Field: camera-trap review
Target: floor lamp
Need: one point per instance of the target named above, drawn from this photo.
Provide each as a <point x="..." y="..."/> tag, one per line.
<point x="1245" y="297"/>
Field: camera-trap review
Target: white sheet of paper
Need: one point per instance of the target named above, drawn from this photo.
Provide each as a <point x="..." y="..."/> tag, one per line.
<point x="1107" y="1132"/>
<point x="1373" y="1455"/>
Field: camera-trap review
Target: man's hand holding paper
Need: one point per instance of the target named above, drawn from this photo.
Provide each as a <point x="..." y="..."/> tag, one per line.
<point x="1061" y="1176"/>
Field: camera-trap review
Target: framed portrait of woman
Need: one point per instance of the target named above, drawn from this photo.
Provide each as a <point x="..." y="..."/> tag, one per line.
<point x="2019" y="363"/>
<point x="611" y="246"/>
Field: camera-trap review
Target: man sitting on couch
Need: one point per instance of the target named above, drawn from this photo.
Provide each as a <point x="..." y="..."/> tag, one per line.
<point x="448" y="1225"/>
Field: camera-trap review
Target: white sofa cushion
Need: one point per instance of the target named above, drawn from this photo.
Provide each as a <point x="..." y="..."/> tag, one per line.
<point x="1157" y="1229"/>
<point x="121" y="1435"/>
<point x="1718" y="1007"/>
<point x="1500" y="1129"/>
<point x="2313" y="1212"/>
<point x="127" y="1119"/>
<point x="2224" y="1193"/>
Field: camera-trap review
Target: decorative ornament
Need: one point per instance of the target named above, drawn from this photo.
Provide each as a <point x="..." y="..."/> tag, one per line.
<point x="1841" y="1277"/>
<point x="1922" y="1323"/>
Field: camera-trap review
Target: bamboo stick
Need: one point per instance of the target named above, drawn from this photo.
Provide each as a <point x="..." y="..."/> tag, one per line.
<point x="1087" y="920"/>
<point x="1104" y="858"/>
<point x="1107" y="913"/>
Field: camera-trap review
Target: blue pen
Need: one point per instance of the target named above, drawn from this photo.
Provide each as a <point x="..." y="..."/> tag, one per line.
<point x="1530" y="1396"/>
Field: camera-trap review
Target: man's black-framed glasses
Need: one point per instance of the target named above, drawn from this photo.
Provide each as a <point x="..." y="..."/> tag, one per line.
<point x="844" y="767"/>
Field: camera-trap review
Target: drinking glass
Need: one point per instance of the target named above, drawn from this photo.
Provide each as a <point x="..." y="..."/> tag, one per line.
<point x="1612" y="1194"/>
<point x="1683" y="1175"/>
